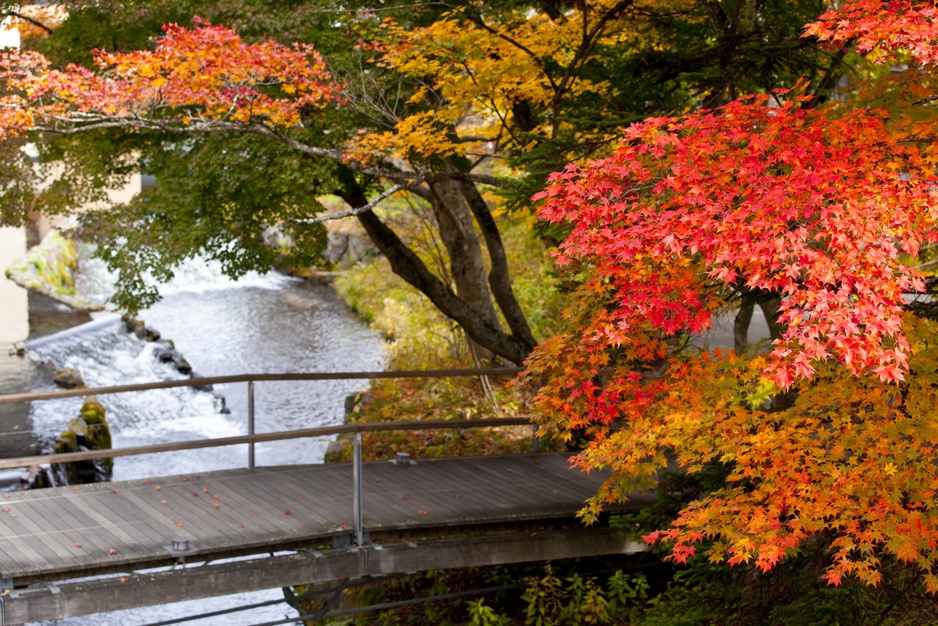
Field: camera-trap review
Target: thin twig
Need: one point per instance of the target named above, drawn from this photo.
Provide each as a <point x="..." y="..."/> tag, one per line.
<point x="350" y="212"/>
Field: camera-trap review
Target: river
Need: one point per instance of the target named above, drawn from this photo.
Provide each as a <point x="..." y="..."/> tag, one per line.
<point x="267" y="324"/>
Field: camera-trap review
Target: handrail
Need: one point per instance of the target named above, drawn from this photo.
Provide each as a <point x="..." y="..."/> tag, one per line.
<point x="88" y="455"/>
<point x="244" y="378"/>
<point x="252" y="438"/>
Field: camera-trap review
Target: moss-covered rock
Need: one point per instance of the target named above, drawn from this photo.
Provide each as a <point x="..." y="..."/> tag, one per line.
<point x="50" y="269"/>
<point x="66" y="442"/>
<point x="88" y="431"/>
<point x="68" y="378"/>
<point x="97" y="429"/>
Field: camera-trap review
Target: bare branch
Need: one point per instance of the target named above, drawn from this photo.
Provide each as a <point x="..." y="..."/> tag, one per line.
<point x="350" y="212"/>
<point x="26" y="18"/>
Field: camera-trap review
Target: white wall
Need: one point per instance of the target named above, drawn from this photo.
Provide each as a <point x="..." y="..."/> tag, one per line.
<point x="9" y="36"/>
<point x="14" y="311"/>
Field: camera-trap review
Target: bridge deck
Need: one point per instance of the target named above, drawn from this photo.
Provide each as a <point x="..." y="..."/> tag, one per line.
<point x="76" y="531"/>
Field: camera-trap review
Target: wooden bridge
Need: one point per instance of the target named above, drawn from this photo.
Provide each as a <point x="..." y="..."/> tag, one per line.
<point x="78" y="550"/>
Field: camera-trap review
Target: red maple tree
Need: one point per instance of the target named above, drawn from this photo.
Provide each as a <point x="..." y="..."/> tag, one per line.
<point x="825" y="209"/>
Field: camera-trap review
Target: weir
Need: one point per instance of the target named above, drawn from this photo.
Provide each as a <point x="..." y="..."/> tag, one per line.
<point x="100" y="322"/>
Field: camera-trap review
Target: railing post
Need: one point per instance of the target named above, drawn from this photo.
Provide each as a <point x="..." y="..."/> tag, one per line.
<point x="251" y="423"/>
<point x="536" y="443"/>
<point x="357" y="480"/>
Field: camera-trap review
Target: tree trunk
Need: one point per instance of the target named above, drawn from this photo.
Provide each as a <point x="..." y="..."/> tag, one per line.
<point x="499" y="276"/>
<point x="457" y="232"/>
<point x="406" y="264"/>
<point x="769" y="302"/>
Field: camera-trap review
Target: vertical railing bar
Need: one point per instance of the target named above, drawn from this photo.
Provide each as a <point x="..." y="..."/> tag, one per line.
<point x="536" y="443"/>
<point x="357" y="479"/>
<point x="251" y="423"/>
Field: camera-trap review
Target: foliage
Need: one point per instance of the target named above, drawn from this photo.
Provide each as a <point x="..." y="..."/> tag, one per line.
<point x="438" y="399"/>
<point x="581" y="600"/>
<point x="429" y="100"/>
<point x="202" y="76"/>
<point x="549" y="84"/>
<point x="703" y="594"/>
<point x="482" y="615"/>
<point x="832" y="433"/>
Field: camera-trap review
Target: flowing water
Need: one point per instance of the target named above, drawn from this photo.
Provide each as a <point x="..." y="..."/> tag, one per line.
<point x="268" y="324"/>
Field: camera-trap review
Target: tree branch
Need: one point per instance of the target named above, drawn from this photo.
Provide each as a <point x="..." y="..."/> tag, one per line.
<point x="26" y="18"/>
<point x="67" y="126"/>
<point x="350" y="212"/>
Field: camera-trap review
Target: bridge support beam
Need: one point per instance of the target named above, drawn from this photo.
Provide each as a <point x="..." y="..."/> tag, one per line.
<point x="207" y="580"/>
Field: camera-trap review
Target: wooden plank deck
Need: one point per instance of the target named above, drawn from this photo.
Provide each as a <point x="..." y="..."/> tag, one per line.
<point x="68" y="532"/>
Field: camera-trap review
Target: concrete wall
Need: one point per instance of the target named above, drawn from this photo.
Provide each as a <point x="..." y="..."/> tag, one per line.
<point x="14" y="314"/>
<point x="14" y="311"/>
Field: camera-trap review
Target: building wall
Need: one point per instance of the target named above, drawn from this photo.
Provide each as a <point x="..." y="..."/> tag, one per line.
<point x="14" y="314"/>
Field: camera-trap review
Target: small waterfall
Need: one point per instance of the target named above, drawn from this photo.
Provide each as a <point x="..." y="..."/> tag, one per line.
<point x="106" y="354"/>
<point x="260" y="323"/>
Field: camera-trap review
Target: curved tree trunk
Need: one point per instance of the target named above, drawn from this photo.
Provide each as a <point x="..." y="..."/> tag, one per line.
<point x="499" y="276"/>
<point x="406" y="264"/>
<point x="457" y="232"/>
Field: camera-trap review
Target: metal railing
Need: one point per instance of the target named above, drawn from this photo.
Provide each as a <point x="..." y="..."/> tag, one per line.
<point x="252" y="438"/>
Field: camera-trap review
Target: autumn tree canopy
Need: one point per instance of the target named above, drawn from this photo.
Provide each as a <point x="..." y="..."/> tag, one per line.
<point x="826" y="210"/>
<point x="464" y="109"/>
<point x="812" y="198"/>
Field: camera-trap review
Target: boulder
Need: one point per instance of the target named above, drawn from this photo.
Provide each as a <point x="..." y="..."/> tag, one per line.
<point x="88" y="431"/>
<point x="49" y="269"/>
<point x="68" y="379"/>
